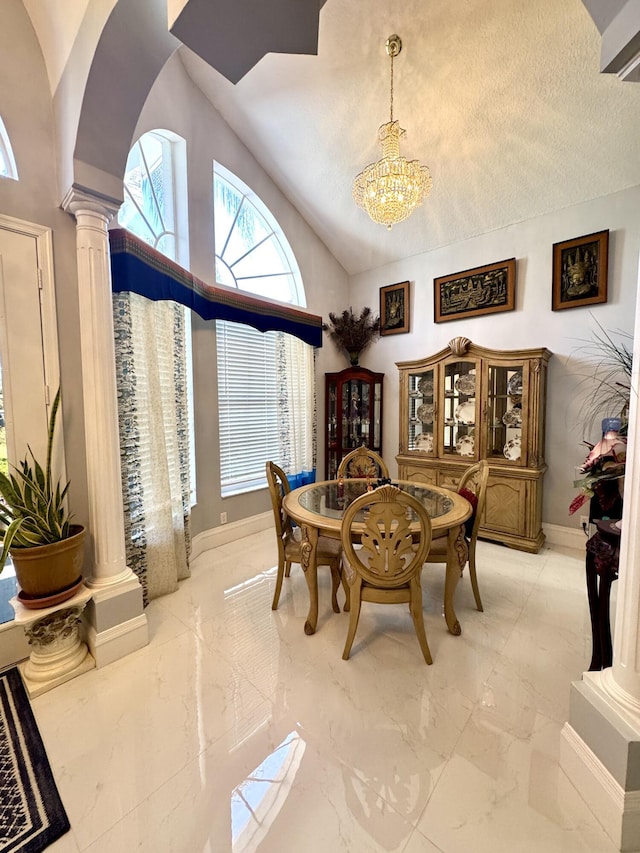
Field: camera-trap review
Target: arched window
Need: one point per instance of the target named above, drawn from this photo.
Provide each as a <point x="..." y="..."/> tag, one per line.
<point x="153" y="374"/>
<point x="150" y="209"/>
<point x="252" y="253"/>
<point x="7" y="162"/>
<point x="265" y="380"/>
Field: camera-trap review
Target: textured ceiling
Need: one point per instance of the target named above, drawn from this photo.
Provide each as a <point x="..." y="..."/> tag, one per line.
<point x="503" y="100"/>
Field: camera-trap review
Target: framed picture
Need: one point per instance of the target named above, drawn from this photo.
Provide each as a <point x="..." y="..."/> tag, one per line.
<point x="394" y="309"/>
<point x="482" y="290"/>
<point x="580" y="271"/>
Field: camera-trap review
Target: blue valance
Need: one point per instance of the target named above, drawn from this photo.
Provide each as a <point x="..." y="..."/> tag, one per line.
<point x="137" y="267"/>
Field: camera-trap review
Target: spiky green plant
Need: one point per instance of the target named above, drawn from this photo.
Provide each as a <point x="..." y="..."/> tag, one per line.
<point x="608" y="385"/>
<point x="32" y="506"/>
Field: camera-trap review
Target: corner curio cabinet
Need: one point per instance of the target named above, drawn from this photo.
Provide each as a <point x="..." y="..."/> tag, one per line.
<point x="467" y="403"/>
<point x="353" y="414"/>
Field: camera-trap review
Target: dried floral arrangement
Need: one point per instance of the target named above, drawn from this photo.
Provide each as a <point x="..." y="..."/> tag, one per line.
<point x="352" y="332"/>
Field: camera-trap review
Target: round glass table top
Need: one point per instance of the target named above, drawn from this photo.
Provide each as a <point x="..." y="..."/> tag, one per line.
<point x="330" y="499"/>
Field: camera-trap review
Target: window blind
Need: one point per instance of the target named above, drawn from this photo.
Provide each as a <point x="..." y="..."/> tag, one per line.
<point x="265" y="405"/>
<point x="247" y="404"/>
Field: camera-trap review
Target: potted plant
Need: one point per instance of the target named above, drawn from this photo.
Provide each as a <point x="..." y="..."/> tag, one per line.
<point x="35" y="528"/>
<point x="353" y="333"/>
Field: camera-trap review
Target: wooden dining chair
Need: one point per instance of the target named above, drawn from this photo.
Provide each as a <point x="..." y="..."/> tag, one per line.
<point x="386" y="563"/>
<point x="290" y="543"/>
<point x="362" y="462"/>
<point x="473" y="486"/>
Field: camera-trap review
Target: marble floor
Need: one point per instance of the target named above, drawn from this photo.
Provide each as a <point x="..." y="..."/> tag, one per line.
<point x="233" y="731"/>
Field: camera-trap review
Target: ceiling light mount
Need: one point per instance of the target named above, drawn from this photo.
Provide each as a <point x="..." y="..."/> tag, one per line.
<point x="394" y="45"/>
<point x="391" y="189"/>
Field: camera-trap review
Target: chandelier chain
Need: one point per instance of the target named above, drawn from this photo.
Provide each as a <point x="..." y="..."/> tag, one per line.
<point x="391" y="99"/>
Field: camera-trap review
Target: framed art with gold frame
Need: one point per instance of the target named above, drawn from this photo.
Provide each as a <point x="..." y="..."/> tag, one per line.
<point x="470" y="293"/>
<point x="394" y="309"/>
<point x="580" y="271"/>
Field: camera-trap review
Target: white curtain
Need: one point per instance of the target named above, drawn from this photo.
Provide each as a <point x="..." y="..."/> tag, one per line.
<point x="295" y="376"/>
<point x="150" y="341"/>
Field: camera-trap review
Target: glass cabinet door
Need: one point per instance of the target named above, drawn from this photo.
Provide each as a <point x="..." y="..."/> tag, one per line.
<point x="460" y="413"/>
<point x="353" y="414"/>
<point x="332" y="430"/>
<point x="504" y="413"/>
<point x="422" y="412"/>
<point x="376" y="438"/>
<point x="356" y="421"/>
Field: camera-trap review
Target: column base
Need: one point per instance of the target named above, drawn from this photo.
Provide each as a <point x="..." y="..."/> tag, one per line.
<point x="37" y="688"/>
<point x="119" y="641"/>
<point x="115" y="622"/>
<point x="600" y="753"/>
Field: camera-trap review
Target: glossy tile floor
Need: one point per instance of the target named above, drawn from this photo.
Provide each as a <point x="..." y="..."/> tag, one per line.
<point x="233" y="731"/>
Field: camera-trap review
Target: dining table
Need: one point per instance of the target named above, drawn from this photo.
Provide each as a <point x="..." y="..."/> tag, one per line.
<point x="317" y="509"/>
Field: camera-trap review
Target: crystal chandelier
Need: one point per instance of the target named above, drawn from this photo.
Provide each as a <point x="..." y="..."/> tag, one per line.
<point x="391" y="189"/>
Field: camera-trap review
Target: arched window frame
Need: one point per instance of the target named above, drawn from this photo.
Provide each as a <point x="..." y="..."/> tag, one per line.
<point x="8" y="168"/>
<point x="277" y="405"/>
<point x="169" y="234"/>
<point x="233" y="269"/>
<point x="166" y="226"/>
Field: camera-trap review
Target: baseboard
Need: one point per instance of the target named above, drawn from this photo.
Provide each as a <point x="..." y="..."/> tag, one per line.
<point x="556" y="534"/>
<point x="617" y="811"/>
<point x="565" y="537"/>
<point x="119" y="641"/>
<point x="230" y="533"/>
<point x="14" y="645"/>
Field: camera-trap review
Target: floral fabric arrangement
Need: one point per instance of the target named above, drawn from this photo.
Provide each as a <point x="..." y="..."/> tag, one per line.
<point x="605" y="462"/>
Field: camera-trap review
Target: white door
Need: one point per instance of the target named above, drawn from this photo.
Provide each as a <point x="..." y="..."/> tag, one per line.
<point x="28" y="363"/>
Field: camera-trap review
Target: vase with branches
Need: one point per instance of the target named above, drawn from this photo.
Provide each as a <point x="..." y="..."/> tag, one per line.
<point x="353" y="332"/>
<point x="609" y="390"/>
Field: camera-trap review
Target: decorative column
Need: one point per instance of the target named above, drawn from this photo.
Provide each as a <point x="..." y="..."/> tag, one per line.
<point x="117" y="624"/>
<point x="600" y="749"/>
<point x="57" y="650"/>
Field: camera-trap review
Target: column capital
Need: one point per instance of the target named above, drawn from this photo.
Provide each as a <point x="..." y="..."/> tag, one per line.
<point x="81" y="199"/>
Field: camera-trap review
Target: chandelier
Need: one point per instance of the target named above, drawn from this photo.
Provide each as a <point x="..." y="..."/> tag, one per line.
<point x="391" y="189"/>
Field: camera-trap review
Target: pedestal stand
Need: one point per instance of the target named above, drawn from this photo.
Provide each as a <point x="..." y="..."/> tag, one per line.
<point x="603" y="554"/>
<point x="57" y="652"/>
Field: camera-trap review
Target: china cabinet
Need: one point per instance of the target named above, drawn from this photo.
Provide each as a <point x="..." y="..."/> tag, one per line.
<point x="353" y="414"/>
<point x="467" y="403"/>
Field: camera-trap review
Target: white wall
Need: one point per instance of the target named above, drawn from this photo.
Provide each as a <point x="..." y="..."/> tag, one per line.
<point x="532" y="324"/>
<point x="26" y="108"/>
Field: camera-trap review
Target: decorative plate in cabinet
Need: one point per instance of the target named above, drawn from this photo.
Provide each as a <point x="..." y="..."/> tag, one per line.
<point x="465" y="445"/>
<point x="465" y="413"/>
<point x="466" y="384"/>
<point x="513" y="417"/>
<point x="425" y="413"/>
<point x="425" y="385"/>
<point x="424" y="442"/>
<point x="512" y="450"/>
<point x="514" y="385"/>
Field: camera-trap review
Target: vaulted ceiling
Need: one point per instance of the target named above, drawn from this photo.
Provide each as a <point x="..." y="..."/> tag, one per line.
<point x="503" y="100"/>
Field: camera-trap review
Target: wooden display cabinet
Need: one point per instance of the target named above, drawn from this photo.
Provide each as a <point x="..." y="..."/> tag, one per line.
<point x="353" y="414"/>
<point x="467" y="403"/>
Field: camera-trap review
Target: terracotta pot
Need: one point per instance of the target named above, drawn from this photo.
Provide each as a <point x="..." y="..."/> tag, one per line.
<point x="47" y="570"/>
